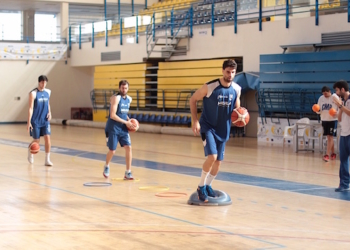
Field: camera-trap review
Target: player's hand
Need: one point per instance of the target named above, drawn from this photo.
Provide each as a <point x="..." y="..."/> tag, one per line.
<point x="29" y="127"/>
<point x="196" y="128"/>
<point x="48" y="116"/>
<point x="337" y="101"/>
<point x="130" y="125"/>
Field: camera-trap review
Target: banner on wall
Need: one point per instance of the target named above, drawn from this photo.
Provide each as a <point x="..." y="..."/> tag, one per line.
<point x="33" y="51"/>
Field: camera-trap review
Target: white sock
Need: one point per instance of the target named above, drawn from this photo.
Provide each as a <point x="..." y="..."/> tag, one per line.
<point x="47" y="156"/>
<point x="203" y="178"/>
<point x="209" y="179"/>
<point x="128" y="171"/>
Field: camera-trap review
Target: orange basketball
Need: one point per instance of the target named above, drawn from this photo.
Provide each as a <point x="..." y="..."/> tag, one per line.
<point x="34" y="148"/>
<point x="240" y="117"/>
<point x="136" y="123"/>
<point x="316" y="108"/>
<point x="332" y="112"/>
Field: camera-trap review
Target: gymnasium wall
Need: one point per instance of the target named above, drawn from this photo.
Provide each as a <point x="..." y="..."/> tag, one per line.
<point x="70" y="87"/>
<point x="249" y="42"/>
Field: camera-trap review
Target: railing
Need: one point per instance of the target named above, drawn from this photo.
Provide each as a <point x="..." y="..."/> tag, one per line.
<point x="174" y="100"/>
<point x="286" y="103"/>
<point x="171" y="31"/>
<point x="210" y="13"/>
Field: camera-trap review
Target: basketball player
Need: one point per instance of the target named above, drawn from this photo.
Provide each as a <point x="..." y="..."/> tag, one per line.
<point x="117" y="128"/>
<point x="39" y="116"/>
<point x="342" y="90"/>
<point x="329" y="123"/>
<point x="220" y="97"/>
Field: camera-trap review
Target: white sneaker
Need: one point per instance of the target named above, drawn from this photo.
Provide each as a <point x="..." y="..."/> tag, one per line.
<point x="48" y="163"/>
<point x="106" y="171"/>
<point x="30" y="157"/>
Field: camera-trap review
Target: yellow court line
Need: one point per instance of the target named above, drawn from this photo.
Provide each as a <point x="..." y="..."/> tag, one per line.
<point x="154" y="188"/>
<point x="122" y="179"/>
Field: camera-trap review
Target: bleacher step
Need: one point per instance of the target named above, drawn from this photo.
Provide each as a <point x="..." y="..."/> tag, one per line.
<point x="154" y="67"/>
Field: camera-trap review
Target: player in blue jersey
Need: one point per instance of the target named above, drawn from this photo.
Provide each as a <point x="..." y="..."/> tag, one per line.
<point x="39" y="116"/>
<point x="117" y="128"/>
<point x="220" y="97"/>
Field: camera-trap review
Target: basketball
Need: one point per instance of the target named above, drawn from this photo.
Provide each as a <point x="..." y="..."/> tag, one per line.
<point x="316" y="108"/>
<point x="332" y="112"/>
<point x="34" y="148"/>
<point x="136" y="123"/>
<point x="240" y="117"/>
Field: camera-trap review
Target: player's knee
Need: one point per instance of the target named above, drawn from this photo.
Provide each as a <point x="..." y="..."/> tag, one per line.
<point x="218" y="162"/>
<point x="112" y="151"/>
<point x="212" y="158"/>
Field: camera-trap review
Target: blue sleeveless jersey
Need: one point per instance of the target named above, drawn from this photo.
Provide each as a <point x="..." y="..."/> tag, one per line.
<point x="41" y="107"/>
<point x="114" y="127"/>
<point x="218" y="105"/>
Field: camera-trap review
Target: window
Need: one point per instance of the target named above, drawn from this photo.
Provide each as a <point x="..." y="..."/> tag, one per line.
<point x="10" y="26"/>
<point x="45" y="28"/>
<point x="130" y="22"/>
<point x="98" y="27"/>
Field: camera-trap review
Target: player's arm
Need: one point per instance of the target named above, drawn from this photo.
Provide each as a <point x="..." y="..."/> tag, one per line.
<point x="30" y="111"/>
<point x="197" y="96"/>
<point x="319" y="104"/>
<point x="238" y="100"/>
<point x="49" y="114"/>
<point x="113" y="115"/>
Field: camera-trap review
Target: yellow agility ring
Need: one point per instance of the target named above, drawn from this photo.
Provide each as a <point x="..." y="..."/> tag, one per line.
<point x="122" y="179"/>
<point x="154" y="188"/>
<point x="171" y="194"/>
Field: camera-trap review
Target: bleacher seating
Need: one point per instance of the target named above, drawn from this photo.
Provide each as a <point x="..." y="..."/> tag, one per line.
<point x="167" y="119"/>
<point x="291" y="83"/>
<point x="106" y="83"/>
<point x="179" y="80"/>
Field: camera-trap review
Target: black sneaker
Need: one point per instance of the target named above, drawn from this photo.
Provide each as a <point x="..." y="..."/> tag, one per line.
<point x="210" y="191"/>
<point x="202" y="194"/>
<point x="342" y="189"/>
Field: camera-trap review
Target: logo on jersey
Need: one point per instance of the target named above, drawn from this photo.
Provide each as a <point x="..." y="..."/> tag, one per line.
<point x="224" y="100"/>
<point x="326" y="106"/>
<point x="124" y="108"/>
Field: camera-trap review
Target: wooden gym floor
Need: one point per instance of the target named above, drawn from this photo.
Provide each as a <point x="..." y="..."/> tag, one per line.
<point x="279" y="199"/>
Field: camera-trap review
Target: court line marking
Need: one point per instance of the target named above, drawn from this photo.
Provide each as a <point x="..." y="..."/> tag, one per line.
<point x="146" y="211"/>
<point x="224" y="161"/>
<point x="255" y="181"/>
<point x="165" y="231"/>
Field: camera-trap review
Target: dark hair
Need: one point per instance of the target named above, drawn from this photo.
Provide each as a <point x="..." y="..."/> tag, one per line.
<point x="326" y="89"/>
<point x="229" y="64"/>
<point x="341" y="85"/>
<point x="43" y="78"/>
<point x="123" y="82"/>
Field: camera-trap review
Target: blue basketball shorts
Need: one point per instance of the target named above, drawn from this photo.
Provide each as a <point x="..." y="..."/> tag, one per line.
<point x="37" y="131"/>
<point x="213" y="146"/>
<point x="113" y="139"/>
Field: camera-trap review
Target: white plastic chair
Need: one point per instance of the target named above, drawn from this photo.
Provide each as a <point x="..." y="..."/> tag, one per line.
<point x="301" y="131"/>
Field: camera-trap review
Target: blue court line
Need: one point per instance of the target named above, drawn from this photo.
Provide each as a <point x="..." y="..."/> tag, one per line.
<point x="274" y="245"/>
<point x="282" y="185"/>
